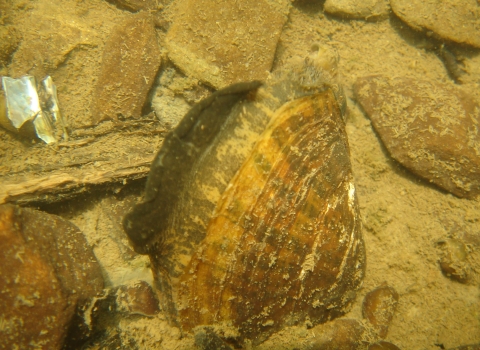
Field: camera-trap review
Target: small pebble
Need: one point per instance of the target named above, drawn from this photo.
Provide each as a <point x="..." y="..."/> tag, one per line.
<point x="338" y="334"/>
<point x="453" y="260"/>
<point x="379" y="307"/>
<point x="137" y="298"/>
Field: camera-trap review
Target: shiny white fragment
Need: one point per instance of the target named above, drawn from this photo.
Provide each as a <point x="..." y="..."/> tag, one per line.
<point x="24" y="105"/>
<point x="22" y="99"/>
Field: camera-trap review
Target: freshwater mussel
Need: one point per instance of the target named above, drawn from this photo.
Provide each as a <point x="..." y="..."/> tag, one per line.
<point x="250" y="215"/>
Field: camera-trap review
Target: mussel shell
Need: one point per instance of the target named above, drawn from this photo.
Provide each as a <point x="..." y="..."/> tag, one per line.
<point x="284" y="243"/>
<point x="176" y="162"/>
<point x="264" y="230"/>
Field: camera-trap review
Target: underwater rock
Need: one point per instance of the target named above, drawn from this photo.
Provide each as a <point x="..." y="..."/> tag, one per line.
<point x="221" y="43"/>
<point x="250" y="215"/>
<point x="379" y="307"/>
<point x="429" y="127"/>
<point x="340" y="333"/>
<point x="131" y="59"/>
<point x="98" y="320"/>
<point x="137" y="298"/>
<point x="371" y="9"/>
<point x="453" y="260"/>
<point x="455" y="20"/>
<point x="46" y="271"/>
<point x="49" y="35"/>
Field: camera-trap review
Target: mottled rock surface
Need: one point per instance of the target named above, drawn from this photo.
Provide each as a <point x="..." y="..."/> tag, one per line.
<point x="429" y="127"/>
<point x="51" y="34"/>
<point x="346" y="333"/>
<point x="368" y="9"/>
<point x="137" y="298"/>
<point x="46" y="270"/>
<point x="379" y="307"/>
<point x="221" y="43"/>
<point x="456" y="20"/>
<point x="454" y="260"/>
<point x="131" y="59"/>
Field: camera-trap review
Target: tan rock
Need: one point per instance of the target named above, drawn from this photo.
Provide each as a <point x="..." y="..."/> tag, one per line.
<point x="137" y="298"/>
<point x="131" y="59"/>
<point x="453" y="260"/>
<point x="366" y="9"/>
<point x="456" y="20"/>
<point x="429" y="127"/>
<point x="49" y="35"/>
<point x="379" y="307"/>
<point x="46" y="269"/>
<point x="221" y="43"/>
<point x="339" y="334"/>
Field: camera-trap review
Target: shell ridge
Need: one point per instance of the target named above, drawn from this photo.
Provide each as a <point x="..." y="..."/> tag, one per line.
<point x="281" y="162"/>
<point x="242" y="238"/>
<point x="348" y="251"/>
<point x="307" y="179"/>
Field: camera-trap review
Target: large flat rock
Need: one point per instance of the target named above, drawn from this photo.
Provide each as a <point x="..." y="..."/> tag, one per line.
<point x="131" y="59"/>
<point x="430" y="128"/>
<point x="221" y="43"/>
<point x="455" y="20"/>
<point x="51" y="35"/>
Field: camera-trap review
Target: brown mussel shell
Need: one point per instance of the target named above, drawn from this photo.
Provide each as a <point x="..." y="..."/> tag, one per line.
<point x="263" y="230"/>
<point x="283" y="244"/>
